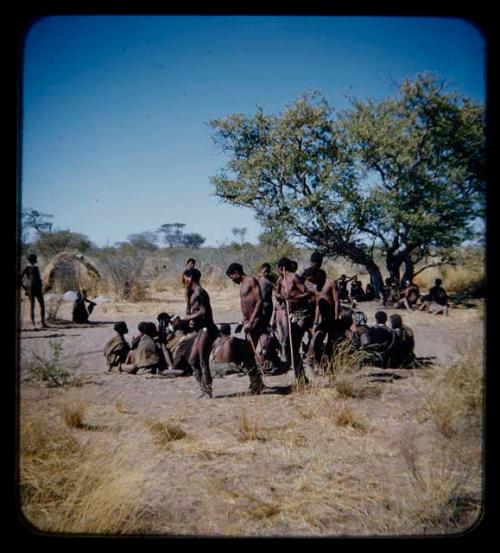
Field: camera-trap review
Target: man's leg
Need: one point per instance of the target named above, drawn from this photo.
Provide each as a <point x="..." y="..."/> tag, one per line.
<point x="42" y="308"/>
<point x="297" y="334"/>
<point x="254" y="370"/>
<point x="32" y="310"/>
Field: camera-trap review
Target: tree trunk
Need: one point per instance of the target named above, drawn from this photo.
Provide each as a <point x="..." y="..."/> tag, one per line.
<point x="358" y="256"/>
<point x="409" y="269"/>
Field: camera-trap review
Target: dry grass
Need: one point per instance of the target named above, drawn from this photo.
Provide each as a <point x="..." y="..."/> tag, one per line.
<point x="73" y="414"/>
<point x="164" y="432"/>
<point x="70" y="487"/>
<point x="455" y="400"/>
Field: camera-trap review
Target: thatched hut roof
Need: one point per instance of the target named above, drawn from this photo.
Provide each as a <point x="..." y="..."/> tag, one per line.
<point x="87" y="274"/>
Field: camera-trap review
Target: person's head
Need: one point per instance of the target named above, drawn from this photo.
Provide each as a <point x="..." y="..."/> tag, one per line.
<point x="284" y="264"/>
<point x="265" y="269"/>
<point x="369" y="286"/>
<point x="355" y="279"/>
<point x="191" y="275"/>
<point x="315" y="275"/>
<point x="342" y="277"/>
<point x="381" y="317"/>
<point x="360" y="318"/>
<point x="316" y="259"/>
<point x="225" y="329"/>
<point x="141" y="327"/>
<point x="235" y="272"/>
<point x="121" y="327"/>
<point x="163" y="317"/>
<point x="396" y="321"/>
<point x="32" y="258"/>
<point x="150" y="330"/>
<point x="388" y="281"/>
<point x="190" y="263"/>
<point x="438" y="282"/>
<point x="293" y="266"/>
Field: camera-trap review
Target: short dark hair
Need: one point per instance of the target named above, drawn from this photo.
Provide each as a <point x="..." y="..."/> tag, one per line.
<point x="141" y="327"/>
<point x="193" y="273"/>
<point x="265" y="266"/>
<point x="234" y="268"/>
<point x="151" y="330"/>
<point x="32" y="258"/>
<point x="438" y="282"/>
<point x="293" y="265"/>
<point x="381" y="317"/>
<point x="225" y="329"/>
<point x="163" y="317"/>
<point x="316" y="258"/>
<point x="191" y="260"/>
<point x="121" y="327"/>
<point x="396" y="320"/>
<point x="285" y="263"/>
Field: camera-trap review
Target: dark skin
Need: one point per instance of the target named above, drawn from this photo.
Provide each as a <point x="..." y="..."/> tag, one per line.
<point x="250" y="299"/>
<point x="266" y="287"/>
<point x="325" y="294"/>
<point x="34" y="292"/>
<point x="200" y="315"/>
<point x="290" y="287"/>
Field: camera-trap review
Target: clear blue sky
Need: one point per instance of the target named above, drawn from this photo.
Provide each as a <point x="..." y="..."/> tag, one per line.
<point x="115" y="108"/>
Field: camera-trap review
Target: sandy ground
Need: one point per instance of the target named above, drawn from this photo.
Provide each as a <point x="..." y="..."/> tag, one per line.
<point x="214" y="423"/>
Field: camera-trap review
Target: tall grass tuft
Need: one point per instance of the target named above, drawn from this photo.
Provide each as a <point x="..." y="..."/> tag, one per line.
<point x="92" y="488"/>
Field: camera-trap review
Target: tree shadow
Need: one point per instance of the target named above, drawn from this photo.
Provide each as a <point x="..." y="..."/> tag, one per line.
<point x="49" y="336"/>
<point x="386" y="376"/>
<point x="62" y="324"/>
<point x="269" y="390"/>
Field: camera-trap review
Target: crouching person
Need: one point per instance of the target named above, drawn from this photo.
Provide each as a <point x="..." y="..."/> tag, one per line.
<point x="401" y="353"/>
<point x="117" y="349"/>
<point x="144" y="357"/>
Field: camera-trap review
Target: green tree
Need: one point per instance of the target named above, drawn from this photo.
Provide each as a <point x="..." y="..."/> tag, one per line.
<point x="34" y="220"/>
<point x="193" y="240"/>
<point x="51" y="243"/>
<point x="424" y="152"/>
<point x="240" y="233"/>
<point x="144" y="241"/>
<point x="172" y="234"/>
<point x="404" y="176"/>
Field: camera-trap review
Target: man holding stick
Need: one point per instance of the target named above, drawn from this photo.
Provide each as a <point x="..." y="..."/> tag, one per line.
<point x="296" y="298"/>
<point x="254" y="320"/>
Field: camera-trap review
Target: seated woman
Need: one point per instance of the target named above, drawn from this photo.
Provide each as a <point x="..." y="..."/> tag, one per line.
<point x="81" y="312"/>
<point x="117" y="349"/>
<point x="144" y="357"/>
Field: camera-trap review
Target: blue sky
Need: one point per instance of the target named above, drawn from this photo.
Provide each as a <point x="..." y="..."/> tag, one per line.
<point x="115" y="108"/>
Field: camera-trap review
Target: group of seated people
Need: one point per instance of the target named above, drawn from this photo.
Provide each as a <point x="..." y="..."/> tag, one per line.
<point x="356" y="292"/>
<point x="409" y="297"/>
<point x="164" y="348"/>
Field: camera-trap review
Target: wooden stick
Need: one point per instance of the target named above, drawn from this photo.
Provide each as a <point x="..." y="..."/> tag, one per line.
<point x="257" y="357"/>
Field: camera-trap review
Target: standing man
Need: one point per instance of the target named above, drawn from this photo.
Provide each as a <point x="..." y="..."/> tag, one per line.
<point x="296" y="298"/>
<point x="200" y="318"/>
<point x="324" y="292"/>
<point x="31" y="283"/>
<point x="266" y="289"/>
<point x="254" y="320"/>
